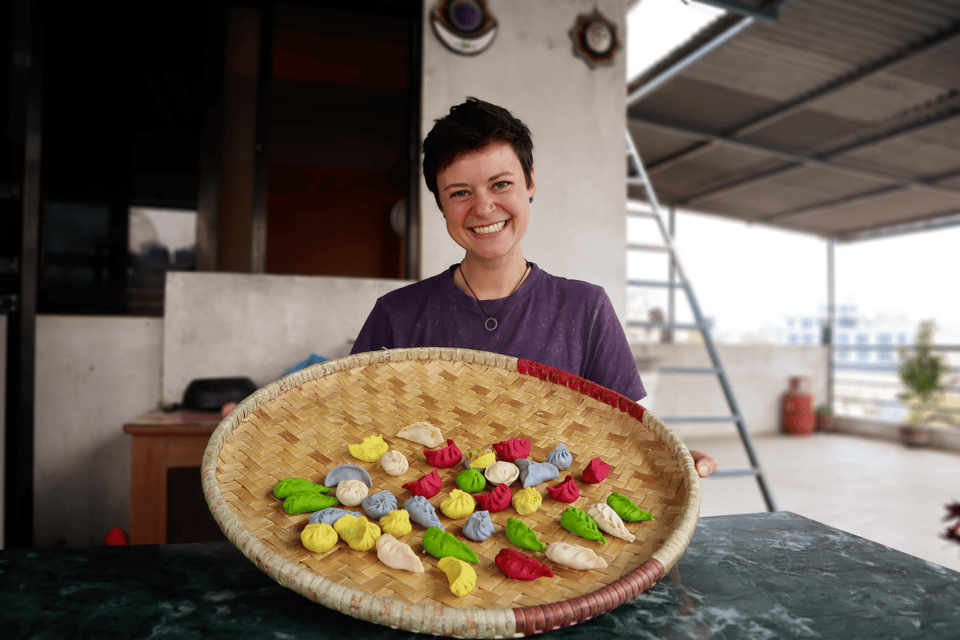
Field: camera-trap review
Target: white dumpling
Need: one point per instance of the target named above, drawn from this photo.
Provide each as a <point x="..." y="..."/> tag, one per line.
<point x="574" y="556"/>
<point x="502" y="472"/>
<point x="397" y="555"/>
<point x="422" y="433"/>
<point x="394" y="463"/>
<point x="350" y="493"/>
<point x="610" y="521"/>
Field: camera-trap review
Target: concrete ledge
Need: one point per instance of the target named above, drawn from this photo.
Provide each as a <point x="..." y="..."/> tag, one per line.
<point x="941" y="437"/>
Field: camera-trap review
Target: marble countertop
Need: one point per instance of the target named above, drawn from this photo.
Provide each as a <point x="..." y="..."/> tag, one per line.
<point x="766" y="575"/>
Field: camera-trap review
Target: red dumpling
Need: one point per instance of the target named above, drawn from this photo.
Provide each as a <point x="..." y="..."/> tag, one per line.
<point x="520" y="566"/>
<point x="596" y="471"/>
<point x="497" y="500"/>
<point x="510" y="450"/>
<point x="443" y="458"/>
<point x="427" y="486"/>
<point x="567" y="491"/>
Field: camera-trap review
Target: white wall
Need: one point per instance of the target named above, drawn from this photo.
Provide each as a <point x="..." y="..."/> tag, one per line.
<point x="577" y="116"/>
<point x="94" y="374"/>
<point x="258" y="326"/>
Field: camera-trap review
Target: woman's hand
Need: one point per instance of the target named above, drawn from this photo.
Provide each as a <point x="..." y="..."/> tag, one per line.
<point x="705" y="464"/>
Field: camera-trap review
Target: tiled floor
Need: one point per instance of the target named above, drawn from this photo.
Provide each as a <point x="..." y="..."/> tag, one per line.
<point x="873" y="488"/>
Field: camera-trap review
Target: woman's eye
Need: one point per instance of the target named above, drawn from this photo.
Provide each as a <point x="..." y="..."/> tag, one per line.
<point x="503" y="184"/>
<point x="458" y="194"/>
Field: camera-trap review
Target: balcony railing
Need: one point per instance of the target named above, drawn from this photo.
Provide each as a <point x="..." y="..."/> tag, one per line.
<point x="866" y="383"/>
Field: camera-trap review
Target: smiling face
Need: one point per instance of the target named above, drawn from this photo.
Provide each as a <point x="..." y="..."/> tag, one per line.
<point x="486" y="201"/>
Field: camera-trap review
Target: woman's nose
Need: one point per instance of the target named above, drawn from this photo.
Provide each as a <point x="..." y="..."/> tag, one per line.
<point x="485" y="202"/>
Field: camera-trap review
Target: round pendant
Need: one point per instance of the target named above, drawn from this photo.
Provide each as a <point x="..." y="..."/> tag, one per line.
<point x="488" y="326"/>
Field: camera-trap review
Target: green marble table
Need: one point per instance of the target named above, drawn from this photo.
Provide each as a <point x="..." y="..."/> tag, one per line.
<point x="748" y="576"/>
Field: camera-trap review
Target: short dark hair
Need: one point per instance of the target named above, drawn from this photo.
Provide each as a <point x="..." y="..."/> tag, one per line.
<point x="468" y="127"/>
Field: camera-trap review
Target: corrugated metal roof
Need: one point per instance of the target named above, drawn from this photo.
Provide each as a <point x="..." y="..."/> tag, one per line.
<point x="836" y="119"/>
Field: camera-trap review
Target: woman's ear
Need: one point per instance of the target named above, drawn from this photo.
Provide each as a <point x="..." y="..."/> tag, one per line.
<point x="533" y="182"/>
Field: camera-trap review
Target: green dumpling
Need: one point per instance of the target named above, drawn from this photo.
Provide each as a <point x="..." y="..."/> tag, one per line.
<point x="578" y="522"/>
<point x="471" y="480"/>
<point x="523" y="536"/>
<point x="626" y="509"/>
<point x="290" y="486"/>
<point x="309" y="500"/>
<point x="440" y="544"/>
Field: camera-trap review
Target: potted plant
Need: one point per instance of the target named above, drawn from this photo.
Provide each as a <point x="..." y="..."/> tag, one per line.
<point x="920" y="373"/>
<point x="826" y="421"/>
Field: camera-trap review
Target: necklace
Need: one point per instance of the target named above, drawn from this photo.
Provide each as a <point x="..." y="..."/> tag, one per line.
<point x="492" y="318"/>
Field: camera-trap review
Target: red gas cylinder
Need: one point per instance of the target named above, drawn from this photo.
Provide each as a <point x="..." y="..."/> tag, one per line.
<point x="798" y="417"/>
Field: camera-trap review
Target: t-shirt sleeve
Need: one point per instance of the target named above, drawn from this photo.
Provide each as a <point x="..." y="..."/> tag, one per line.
<point x="611" y="362"/>
<point x="377" y="332"/>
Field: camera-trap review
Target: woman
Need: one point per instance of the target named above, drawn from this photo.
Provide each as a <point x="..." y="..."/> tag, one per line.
<point x="478" y="163"/>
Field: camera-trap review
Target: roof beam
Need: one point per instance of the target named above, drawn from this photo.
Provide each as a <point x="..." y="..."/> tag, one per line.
<point x="770" y="14"/>
<point x="796" y="162"/>
<point x="926" y="45"/>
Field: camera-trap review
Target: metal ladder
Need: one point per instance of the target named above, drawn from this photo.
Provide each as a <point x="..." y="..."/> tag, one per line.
<point x="700" y="324"/>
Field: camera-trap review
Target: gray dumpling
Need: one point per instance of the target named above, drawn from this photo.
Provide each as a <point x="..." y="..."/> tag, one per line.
<point x="422" y="512"/>
<point x="347" y="472"/>
<point x="533" y="473"/>
<point x="379" y="504"/>
<point x="560" y="457"/>
<point x="330" y="515"/>
<point x="479" y="526"/>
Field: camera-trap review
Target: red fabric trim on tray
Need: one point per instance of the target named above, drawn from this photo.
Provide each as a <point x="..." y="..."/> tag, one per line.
<point x="533" y="620"/>
<point x="584" y="386"/>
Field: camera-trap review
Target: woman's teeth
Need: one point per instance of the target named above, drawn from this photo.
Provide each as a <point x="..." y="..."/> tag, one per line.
<point x="496" y="226"/>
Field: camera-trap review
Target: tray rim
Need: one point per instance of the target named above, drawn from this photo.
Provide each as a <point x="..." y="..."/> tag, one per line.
<point x="441" y="619"/>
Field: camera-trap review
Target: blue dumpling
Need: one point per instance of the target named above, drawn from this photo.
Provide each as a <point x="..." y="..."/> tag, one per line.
<point x="347" y="472"/>
<point x="560" y="457"/>
<point x="379" y="504"/>
<point x="422" y="512"/>
<point x="533" y="473"/>
<point x="479" y="526"/>
<point x="330" y="515"/>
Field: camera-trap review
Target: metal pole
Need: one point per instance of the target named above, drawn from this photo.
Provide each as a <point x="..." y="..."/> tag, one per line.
<point x="831" y="318"/>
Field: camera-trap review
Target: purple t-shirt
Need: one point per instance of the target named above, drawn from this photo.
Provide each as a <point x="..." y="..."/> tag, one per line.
<point x="566" y="324"/>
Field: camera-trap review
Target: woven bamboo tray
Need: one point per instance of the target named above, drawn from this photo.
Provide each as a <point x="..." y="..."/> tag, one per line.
<point x="300" y="426"/>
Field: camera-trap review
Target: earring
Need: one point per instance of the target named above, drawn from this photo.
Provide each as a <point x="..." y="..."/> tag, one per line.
<point x="531" y="199"/>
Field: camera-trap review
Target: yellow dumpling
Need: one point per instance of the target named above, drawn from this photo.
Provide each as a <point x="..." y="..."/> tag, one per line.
<point x="319" y="537"/>
<point x="370" y="449"/>
<point x="358" y="532"/>
<point x="462" y="577"/>
<point x="460" y="504"/>
<point x="526" y="501"/>
<point x="396" y="523"/>
<point x="481" y="459"/>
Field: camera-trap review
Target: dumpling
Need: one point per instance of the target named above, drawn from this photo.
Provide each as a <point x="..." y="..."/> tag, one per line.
<point x="394" y="463"/>
<point x="422" y="433"/>
<point x="347" y="472"/>
<point x="471" y="480"/>
<point x="350" y="493"/>
<point x="596" y="471"/>
<point x="460" y="575"/>
<point x="560" y="457"/>
<point x="397" y="555"/>
<point x="533" y="473"/>
<point x="330" y="515"/>
<point x="574" y="556"/>
<point x="396" y="523"/>
<point x="319" y="538"/>
<point x="479" y="526"/>
<point x="501" y="472"/>
<point x="427" y="486"/>
<point x="527" y="500"/>
<point x="359" y="533"/>
<point x="460" y="504"/>
<point x="379" y="504"/>
<point x="422" y="512"/>
<point x="608" y="520"/>
<point x="444" y="458"/>
<point x="510" y="450"/>
<point x="370" y="449"/>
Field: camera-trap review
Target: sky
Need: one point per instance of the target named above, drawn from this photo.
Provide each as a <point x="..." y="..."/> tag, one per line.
<point x="750" y="277"/>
